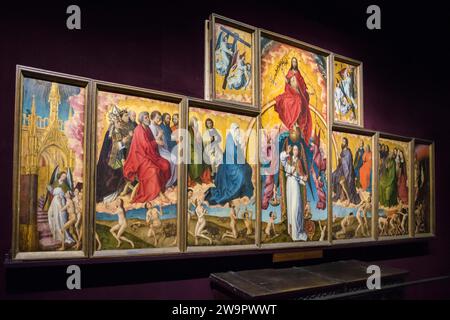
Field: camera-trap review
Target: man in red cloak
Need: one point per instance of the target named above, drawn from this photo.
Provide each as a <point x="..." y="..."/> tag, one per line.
<point x="144" y="163"/>
<point x="292" y="106"/>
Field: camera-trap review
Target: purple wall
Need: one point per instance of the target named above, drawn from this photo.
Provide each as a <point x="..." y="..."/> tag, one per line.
<point x="406" y="91"/>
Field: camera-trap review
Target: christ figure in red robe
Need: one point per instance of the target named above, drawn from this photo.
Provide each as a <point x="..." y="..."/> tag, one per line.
<point x="292" y="105"/>
<point x="145" y="164"/>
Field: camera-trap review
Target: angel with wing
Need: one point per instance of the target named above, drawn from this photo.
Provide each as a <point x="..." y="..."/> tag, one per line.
<point x="224" y="53"/>
<point x="60" y="183"/>
<point x="240" y="73"/>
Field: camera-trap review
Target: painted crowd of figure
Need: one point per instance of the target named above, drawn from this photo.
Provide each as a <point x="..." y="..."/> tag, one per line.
<point x="137" y="157"/>
<point x="228" y="170"/>
<point x="226" y="173"/>
<point x="393" y="191"/>
<point x="352" y="187"/>
<point x="230" y="63"/>
<point x="393" y="185"/>
<point x="302" y="158"/>
<point x="65" y="209"/>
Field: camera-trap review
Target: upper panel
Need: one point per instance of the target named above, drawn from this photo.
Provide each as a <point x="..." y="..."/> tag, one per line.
<point x="347" y="92"/>
<point x="230" y="61"/>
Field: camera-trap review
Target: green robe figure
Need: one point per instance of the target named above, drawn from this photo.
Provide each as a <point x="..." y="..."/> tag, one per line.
<point x="388" y="184"/>
<point x="196" y="166"/>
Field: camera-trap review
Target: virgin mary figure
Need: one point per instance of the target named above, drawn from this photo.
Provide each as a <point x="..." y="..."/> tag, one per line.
<point x="296" y="178"/>
<point x="292" y="106"/>
<point x="234" y="175"/>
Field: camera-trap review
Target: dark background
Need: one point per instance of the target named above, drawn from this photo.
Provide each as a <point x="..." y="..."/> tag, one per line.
<point x="406" y="92"/>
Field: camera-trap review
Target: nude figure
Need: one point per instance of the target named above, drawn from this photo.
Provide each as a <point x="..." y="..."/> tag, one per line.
<point x="118" y="230"/>
<point x="71" y="218"/>
<point x="248" y="222"/>
<point x="233" y="221"/>
<point x="190" y="192"/>
<point x="78" y="201"/>
<point x="345" y="223"/>
<point x="383" y="224"/>
<point x="201" y="223"/>
<point x="152" y="218"/>
<point x="361" y="216"/>
<point x="271" y="225"/>
<point x="99" y="243"/>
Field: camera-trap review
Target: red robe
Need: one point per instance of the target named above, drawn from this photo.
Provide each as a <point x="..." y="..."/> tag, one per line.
<point x="144" y="163"/>
<point x="293" y="105"/>
<point x="365" y="170"/>
<point x="402" y="186"/>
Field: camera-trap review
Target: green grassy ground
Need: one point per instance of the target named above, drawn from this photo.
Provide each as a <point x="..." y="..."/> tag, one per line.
<point x="138" y="234"/>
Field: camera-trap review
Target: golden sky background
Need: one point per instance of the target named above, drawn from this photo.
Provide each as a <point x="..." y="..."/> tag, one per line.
<point x="315" y="82"/>
<point x="273" y="83"/>
<point x="223" y="121"/>
<point x="399" y="145"/>
<point x="137" y="104"/>
<point x="354" y="141"/>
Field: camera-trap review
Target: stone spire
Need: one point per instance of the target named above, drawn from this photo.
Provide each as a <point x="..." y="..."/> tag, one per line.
<point x="54" y="100"/>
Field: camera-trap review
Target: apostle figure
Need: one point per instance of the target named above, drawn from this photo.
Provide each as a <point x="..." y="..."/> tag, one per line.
<point x="402" y="179"/>
<point x="145" y="164"/>
<point x="165" y="126"/>
<point x="196" y="166"/>
<point x="133" y="122"/>
<point x="174" y="126"/>
<point x="116" y="143"/>
<point x="292" y="106"/>
<point x="343" y="178"/>
<point x="234" y="175"/>
<point x="212" y="154"/>
<point x="388" y="181"/>
<point x="365" y="173"/>
<point x="294" y="166"/>
<point x="163" y="146"/>
<point x="358" y="163"/>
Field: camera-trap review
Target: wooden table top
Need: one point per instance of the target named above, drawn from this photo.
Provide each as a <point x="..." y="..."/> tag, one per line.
<point x="297" y="281"/>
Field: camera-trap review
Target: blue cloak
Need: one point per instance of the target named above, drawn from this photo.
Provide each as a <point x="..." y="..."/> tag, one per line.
<point x="234" y="176"/>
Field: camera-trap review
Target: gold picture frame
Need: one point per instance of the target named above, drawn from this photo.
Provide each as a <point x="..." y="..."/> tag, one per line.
<point x="409" y="169"/>
<point x="373" y="135"/>
<point x="247" y="111"/>
<point x="321" y="114"/>
<point x="136" y="92"/>
<point x="210" y="63"/>
<point x="324" y="117"/>
<point x="23" y="72"/>
<point x="432" y="196"/>
<point x="358" y="69"/>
